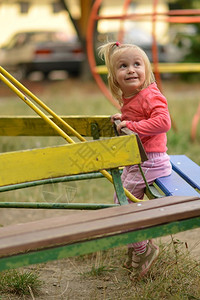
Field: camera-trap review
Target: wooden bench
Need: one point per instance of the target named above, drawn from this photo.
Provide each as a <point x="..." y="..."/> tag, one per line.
<point x="23" y="167"/>
<point x="33" y="167"/>
<point x="86" y="232"/>
<point x="180" y="183"/>
<point x="184" y="180"/>
<point x="82" y="233"/>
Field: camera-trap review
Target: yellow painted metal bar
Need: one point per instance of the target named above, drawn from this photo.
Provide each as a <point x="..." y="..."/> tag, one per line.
<point x="36" y="109"/>
<point x="178" y="67"/>
<point x="164" y="68"/>
<point x="71" y="159"/>
<point x="39" y="102"/>
<point x="36" y="126"/>
<point x="49" y="121"/>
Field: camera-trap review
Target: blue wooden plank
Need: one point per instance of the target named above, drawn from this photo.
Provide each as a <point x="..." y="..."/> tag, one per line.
<point x="187" y="169"/>
<point x="175" y="185"/>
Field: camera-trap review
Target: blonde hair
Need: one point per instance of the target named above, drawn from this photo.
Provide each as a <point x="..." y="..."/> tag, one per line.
<point x="108" y="51"/>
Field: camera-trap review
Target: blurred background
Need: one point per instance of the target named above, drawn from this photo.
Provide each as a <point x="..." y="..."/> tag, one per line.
<point x="47" y="36"/>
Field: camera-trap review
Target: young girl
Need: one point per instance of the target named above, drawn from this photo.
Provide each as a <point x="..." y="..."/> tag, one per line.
<point x="143" y="110"/>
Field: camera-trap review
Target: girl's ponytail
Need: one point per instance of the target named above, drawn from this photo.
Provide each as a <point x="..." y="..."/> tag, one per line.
<point x="106" y="53"/>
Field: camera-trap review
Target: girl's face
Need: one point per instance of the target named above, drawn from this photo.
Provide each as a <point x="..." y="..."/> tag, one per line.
<point x="130" y="71"/>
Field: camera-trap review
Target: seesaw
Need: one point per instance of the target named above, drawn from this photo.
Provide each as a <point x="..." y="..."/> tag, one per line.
<point x="177" y="207"/>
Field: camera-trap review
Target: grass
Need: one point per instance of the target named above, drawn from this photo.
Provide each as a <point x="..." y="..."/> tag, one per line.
<point x="175" y="276"/>
<point x="183" y="103"/>
<point x="19" y="282"/>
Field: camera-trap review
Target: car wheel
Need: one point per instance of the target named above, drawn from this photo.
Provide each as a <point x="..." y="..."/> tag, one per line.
<point x="21" y="72"/>
<point x="74" y="73"/>
<point x="46" y="74"/>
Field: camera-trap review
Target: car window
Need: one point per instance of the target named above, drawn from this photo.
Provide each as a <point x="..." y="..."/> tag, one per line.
<point x="39" y="37"/>
<point x="16" y="41"/>
<point x="24" y="38"/>
<point x="48" y="36"/>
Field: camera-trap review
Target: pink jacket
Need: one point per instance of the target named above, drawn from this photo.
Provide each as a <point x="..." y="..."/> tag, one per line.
<point x="147" y="114"/>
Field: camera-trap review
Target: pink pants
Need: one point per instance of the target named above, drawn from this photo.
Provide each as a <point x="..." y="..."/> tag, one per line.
<point x="157" y="165"/>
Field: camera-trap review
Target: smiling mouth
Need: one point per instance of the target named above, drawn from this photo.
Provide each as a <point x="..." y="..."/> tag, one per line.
<point x="131" y="78"/>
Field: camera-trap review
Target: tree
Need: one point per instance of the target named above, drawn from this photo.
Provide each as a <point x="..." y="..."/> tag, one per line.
<point x="81" y="28"/>
<point x="190" y="38"/>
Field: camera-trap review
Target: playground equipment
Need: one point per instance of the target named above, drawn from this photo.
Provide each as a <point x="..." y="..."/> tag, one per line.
<point x="43" y="156"/>
<point x="86" y="232"/>
<point x="170" y="16"/>
<point x="115" y="225"/>
<point x="82" y="233"/>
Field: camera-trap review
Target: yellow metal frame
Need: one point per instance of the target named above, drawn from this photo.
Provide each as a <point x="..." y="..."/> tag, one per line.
<point x="9" y="80"/>
<point x="65" y="160"/>
<point x="163" y="68"/>
<point x="86" y="125"/>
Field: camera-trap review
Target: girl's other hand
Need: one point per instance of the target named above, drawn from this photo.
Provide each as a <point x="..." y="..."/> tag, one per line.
<point x="121" y="125"/>
<point x="115" y="117"/>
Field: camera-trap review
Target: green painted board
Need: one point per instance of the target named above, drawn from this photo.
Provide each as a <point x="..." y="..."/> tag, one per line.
<point x="80" y="248"/>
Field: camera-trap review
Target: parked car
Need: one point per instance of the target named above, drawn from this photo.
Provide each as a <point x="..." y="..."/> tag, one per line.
<point x="141" y="38"/>
<point x="43" y="51"/>
<point x="144" y="40"/>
